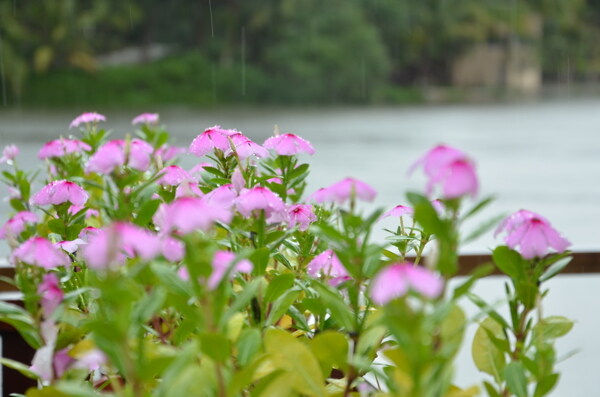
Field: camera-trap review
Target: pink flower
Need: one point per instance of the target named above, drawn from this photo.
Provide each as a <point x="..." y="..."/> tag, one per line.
<point x="70" y="246"/>
<point x="38" y="251"/>
<point x="86" y="118"/>
<point x="398" y="211"/>
<point x="188" y="214"/>
<point x="15" y="225"/>
<point x="223" y="263"/>
<point x="245" y="147"/>
<point x="237" y="180"/>
<point x="9" y="153"/>
<point x="457" y="179"/>
<point x="167" y="153"/>
<point x="451" y="169"/>
<point x="437" y="158"/>
<point x="145" y="118"/>
<point x="198" y="169"/>
<point x="107" y="157"/>
<point x="224" y="196"/>
<point x="188" y="188"/>
<point x="173" y="175"/>
<point x="276" y="180"/>
<point x="61" y="147"/>
<point x="91" y="360"/>
<point x="395" y="280"/>
<point x="50" y="293"/>
<point x="288" y="145"/>
<point x="58" y="192"/>
<point x="438" y="206"/>
<point x="183" y="273"/>
<point x="172" y="249"/>
<point x="532" y="234"/>
<point x="344" y="190"/>
<point x="112" y="154"/>
<point x="301" y="215"/>
<point x="13" y="193"/>
<point x="62" y="361"/>
<point x="211" y="138"/>
<point x="87" y="232"/>
<point x="259" y="198"/>
<point x="328" y="265"/>
<point x="139" y="154"/>
<point x="114" y="243"/>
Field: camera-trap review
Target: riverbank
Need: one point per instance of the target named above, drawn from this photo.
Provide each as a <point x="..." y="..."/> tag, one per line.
<point x="192" y="80"/>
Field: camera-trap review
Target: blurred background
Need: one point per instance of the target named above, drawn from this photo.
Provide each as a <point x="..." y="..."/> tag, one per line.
<point x="289" y="52"/>
<point x="372" y="84"/>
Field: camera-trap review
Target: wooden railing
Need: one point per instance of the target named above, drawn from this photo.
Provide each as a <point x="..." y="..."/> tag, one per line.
<point x="14" y="347"/>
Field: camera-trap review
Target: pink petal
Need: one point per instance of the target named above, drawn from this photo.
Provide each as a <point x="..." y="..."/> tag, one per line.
<point x="460" y="180"/>
<point x="173" y="249"/>
<point x="145" y="118"/>
<point x="389" y="284"/>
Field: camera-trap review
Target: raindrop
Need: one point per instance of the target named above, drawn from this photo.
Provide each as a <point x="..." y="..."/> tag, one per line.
<point x="214" y="83"/>
<point x="212" y="29"/>
<point x="2" y="78"/>
<point x="243" y="61"/>
<point x="363" y="76"/>
<point x="569" y="77"/>
<point x="130" y="19"/>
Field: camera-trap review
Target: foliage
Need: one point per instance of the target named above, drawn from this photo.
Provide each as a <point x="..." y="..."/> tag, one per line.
<point x="140" y="278"/>
<point x="286" y="51"/>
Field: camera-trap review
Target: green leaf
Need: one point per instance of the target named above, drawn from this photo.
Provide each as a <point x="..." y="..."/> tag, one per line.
<point x="478" y="207"/>
<point x="22" y="321"/>
<point x="514" y="375"/>
<point x="214" y="171"/>
<point x="509" y="262"/>
<point x="183" y="376"/>
<point x="292" y="356"/>
<point x="332" y="300"/>
<point x="486" y="356"/>
<point x="148" y="306"/>
<point x="490" y="390"/>
<point x="546" y="385"/>
<point x="215" y="346"/>
<point x="278" y="286"/>
<point x="57" y="226"/>
<point x="170" y="280"/>
<point x="242" y="300"/>
<point x="453" y="329"/>
<point x="146" y="212"/>
<point x="487" y="309"/>
<point x="482" y="229"/>
<point x="427" y="216"/>
<point x="331" y="350"/>
<point x="260" y="259"/>
<point x="555" y="268"/>
<point x="17" y="204"/>
<point x="248" y="345"/>
<point x="25" y="370"/>
<point x="298" y="171"/>
<point x="551" y="328"/>
<point x="281" y="306"/>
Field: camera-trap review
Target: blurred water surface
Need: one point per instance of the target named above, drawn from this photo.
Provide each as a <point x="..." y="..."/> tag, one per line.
<point x="544" y="157"/>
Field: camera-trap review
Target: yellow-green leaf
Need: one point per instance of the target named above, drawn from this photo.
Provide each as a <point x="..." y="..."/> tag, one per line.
<point x="452" y="329"/>
<point x="301" y="367"/>
<point x="331" y="349"/>
<point x="486" y="356"/>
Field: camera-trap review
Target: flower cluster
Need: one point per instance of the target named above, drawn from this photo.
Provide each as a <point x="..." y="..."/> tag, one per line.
<point x="141" y="276"/>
